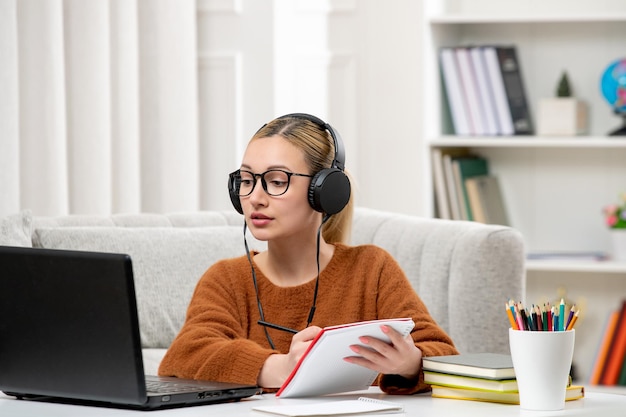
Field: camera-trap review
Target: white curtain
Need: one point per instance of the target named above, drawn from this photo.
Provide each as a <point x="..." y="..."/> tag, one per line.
<point x="98" y="106"/>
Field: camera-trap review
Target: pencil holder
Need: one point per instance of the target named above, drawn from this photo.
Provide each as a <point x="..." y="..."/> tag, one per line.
<point x="542" y="362"/>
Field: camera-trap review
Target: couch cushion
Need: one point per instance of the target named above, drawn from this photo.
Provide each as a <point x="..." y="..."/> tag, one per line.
<point x="15" y="229"/>
<point x="167" y="263"/>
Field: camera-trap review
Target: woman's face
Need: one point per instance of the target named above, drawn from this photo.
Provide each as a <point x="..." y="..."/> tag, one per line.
<point x="275" y="217"/>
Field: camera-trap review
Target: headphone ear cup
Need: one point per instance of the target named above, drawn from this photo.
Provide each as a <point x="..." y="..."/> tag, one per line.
<point x="234" y="196"/>
<point x="329" y="191"/>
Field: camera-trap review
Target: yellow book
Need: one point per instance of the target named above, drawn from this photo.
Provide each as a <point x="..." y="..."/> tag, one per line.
<point x="460" y="381"/>
<point x="573" y="392"/>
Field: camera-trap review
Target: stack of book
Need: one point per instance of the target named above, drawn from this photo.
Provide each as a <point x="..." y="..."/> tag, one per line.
<point x="609" y="367"/>
<point x="478" y="377"/>
<point x="485" y="91"/>
<point x="465" y="189"/>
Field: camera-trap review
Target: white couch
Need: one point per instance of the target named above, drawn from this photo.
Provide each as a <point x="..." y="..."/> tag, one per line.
<point x="464" y="271"/>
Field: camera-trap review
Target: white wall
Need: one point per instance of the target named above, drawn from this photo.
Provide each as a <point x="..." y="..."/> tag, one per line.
<point x="353" y="63"/>
<point x="388" y="35"/>
<point x="144" y="105"/>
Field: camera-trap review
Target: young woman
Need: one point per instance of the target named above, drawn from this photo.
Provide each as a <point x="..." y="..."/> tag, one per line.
<point x="294" y="195"/>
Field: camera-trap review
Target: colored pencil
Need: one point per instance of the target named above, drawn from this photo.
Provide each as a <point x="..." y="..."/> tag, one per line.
<point x="550" y="313"/>
<point x="544" y="318"/>
<point x="572" y="322"/>
<point x="509" y="314"/>
<point x="540" y="318"/>
<point x="570" y="316"/>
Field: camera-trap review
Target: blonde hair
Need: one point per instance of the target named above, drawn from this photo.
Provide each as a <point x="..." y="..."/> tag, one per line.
<point x="318" y="148"/>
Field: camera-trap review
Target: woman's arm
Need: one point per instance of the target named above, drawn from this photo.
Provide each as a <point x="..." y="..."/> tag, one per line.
<point x="214" y="343"/>
<point x="278" y="367"/>
<point x="400" y="362"/>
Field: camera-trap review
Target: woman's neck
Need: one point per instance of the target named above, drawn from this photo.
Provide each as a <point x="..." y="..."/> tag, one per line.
<point x="286" y="264"/>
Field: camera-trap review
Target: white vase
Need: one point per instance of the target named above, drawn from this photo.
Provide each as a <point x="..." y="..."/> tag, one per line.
<point x="618" y="239"/>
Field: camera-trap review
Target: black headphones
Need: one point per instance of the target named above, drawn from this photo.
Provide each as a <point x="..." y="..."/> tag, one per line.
<point x="329" y="191"/>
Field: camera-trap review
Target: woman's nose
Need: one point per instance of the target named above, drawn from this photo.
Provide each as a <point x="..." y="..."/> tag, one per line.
<point x="258" y="194"/>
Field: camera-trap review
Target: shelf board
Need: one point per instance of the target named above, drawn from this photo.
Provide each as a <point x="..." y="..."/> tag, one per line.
<point x="529" y="142"/>
<point x="456" y="19"/>
<point x="606" y="389"/>
<point x="611" y="267"/>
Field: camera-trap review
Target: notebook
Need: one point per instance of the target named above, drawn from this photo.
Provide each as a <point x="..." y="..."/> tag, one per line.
<point x="70" y="333"/>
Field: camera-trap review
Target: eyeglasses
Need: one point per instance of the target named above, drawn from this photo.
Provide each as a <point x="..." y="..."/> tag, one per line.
<point x="275" y="182"/>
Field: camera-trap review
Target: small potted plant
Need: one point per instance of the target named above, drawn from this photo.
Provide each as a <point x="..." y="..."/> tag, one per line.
<point x="563" y="115"/>
<point x="615" y="219"/>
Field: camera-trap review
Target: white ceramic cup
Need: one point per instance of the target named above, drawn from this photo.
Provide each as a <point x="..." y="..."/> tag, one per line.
<point x="542" y="362"/>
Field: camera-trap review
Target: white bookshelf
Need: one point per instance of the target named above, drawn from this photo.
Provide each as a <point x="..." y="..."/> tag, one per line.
<point x="554" y="187"/>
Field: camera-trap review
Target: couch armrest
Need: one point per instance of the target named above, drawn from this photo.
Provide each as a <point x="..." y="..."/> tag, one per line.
<point x="463" y="271"/>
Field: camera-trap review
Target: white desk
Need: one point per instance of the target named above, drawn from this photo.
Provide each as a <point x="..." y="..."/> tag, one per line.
<point x="594" y="404"/>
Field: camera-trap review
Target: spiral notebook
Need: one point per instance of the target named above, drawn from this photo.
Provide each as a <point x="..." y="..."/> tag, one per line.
<point x="322" y="369"/>
<point x="363" y="405"/>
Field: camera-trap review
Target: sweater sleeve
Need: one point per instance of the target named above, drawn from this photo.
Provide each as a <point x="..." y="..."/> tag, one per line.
<point x="214" y="343"/>
<point x="397" y="298"/>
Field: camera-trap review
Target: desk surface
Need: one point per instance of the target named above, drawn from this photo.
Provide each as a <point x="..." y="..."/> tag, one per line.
<point x="594" y="404"/>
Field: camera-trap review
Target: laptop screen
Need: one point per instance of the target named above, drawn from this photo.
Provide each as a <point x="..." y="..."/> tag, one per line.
<point x="69" y="325"/>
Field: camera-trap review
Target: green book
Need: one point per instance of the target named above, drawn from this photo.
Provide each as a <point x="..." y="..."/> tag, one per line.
<point x="478" y="365"/>
<point x="463" y="168"/>
<point x="486" y="200"/>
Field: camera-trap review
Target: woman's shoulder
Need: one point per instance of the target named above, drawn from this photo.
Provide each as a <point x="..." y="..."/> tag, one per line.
<point x="365" y="251"/>
<point x="227" y="268"/>
<point x="365" y="261"/>
<point x="230" y="262"/>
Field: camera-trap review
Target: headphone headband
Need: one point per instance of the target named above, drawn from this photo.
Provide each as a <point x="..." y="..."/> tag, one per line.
<point x="339" y="161"/>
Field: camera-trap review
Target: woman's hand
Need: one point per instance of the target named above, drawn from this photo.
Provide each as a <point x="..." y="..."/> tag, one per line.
<point x="399" y="357"/>
<point x="277" y="367"/>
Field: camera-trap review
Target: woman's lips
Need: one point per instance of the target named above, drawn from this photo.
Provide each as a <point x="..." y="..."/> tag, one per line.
<point x="260" y="219"/>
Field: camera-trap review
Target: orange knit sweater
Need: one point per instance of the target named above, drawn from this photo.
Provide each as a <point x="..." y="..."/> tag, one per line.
<point x="222" y="341"/>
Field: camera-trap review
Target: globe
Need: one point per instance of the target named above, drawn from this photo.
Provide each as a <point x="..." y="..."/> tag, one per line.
<point x="613" y="86"/>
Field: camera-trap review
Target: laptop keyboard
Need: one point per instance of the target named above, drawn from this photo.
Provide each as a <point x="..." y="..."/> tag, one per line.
<point x="168" y="387"/>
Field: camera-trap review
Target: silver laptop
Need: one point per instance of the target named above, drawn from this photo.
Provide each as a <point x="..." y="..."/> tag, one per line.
<point x="69" y="332"/>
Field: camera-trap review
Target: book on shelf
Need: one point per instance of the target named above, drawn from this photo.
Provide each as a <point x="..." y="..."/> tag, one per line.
<point x="362" y="405"/>
<point x="485" y="92"/>
<point x="322" y="369"/>
<point x="616" y="353"/>
<point x="510" y="96"/>
<point x="454" y="91"/>
<point x="622" y="376"/>
<point x="463" y="168"/>
<point x="461" y="381"/>
<point x="453" y="195"/>
<point x="501" y="104"/>
<point x="440" y="180"/>
<point x="479" y="365"/>
<point x="486" y="200"/>
<point x="469" y="85"/>
<point x="439" y="184"/>
<point x="603" y="347"/>
<point x="573" y="392"/>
